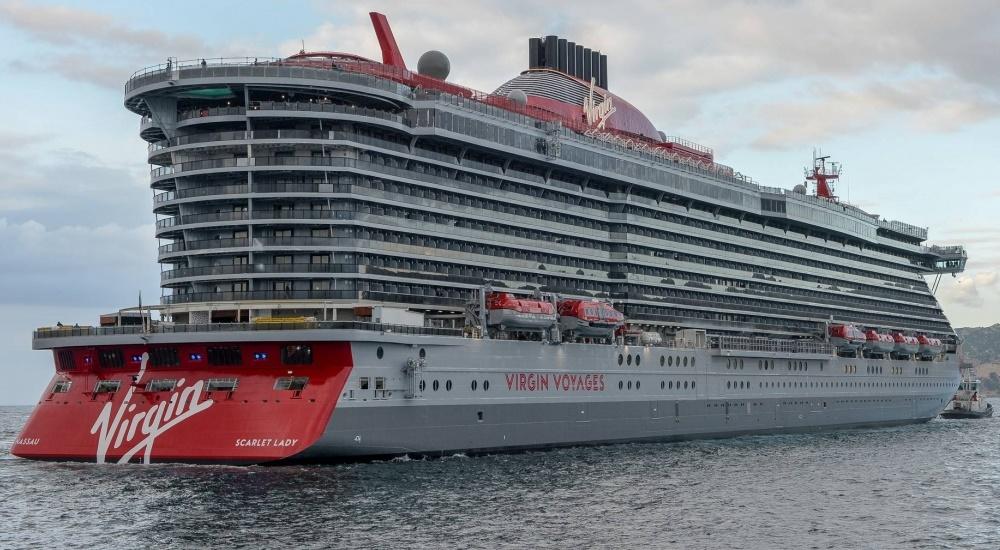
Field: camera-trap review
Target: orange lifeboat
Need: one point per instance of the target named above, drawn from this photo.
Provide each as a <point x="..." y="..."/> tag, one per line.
<point x="929" y="346"/>
<point x="589" y="318"/>
<point x="905" y="345"/>
<point x="507" y="311"/>
<point x="877" y="342"/>
<point x="846" y="336"/>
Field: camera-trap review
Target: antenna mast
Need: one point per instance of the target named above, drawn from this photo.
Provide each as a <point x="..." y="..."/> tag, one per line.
<point x="823" y="173"/>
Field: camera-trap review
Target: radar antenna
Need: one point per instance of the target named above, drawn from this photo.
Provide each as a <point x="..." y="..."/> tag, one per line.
<point x="823" y="173"/>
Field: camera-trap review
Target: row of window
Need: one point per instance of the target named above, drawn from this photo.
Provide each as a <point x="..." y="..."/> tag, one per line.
<point x="292" y="354"/>
<point x="292" y="383"/>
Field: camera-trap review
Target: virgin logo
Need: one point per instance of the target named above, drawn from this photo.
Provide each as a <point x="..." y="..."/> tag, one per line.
<point x="120" y="427"/>
<point x="597" y="113"/>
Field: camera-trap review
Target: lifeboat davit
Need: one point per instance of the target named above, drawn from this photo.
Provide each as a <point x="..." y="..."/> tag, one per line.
<point x="877" y="342"/>
<point x="589" y="318"/>
<point x="510" y="312"/>
<point x="905" y="345"/>
<point x="846" y="336"/>
<point x="929" y="346"/>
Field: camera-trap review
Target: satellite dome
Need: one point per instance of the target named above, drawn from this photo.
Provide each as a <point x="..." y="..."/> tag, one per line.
<point x="800" y="189"/>
<point x="518" y="96"/>
<point x="434" y="64"/>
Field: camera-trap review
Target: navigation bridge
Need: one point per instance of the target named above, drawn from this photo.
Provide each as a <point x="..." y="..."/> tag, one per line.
<point x="946" y="259"/>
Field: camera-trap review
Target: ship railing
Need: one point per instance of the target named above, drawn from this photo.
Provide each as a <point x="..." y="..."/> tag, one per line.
<point x="271" y="325"/>
<point x="744" y="343"/>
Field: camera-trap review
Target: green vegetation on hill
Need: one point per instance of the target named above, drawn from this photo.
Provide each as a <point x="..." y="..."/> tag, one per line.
<point x="981" y="344"/>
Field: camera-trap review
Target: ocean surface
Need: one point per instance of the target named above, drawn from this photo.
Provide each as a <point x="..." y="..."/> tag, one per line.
<point x="934" y="485"/>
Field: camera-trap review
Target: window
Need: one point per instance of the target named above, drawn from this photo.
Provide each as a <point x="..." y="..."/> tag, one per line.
<point x="380" y="383"/>
<point x="296" y="355"/>
<point x="65" y="360"/>
<point x="222" y="356"/>
<point x="164" y="357"/>
<point x="61" y="386"/>
<point x="282" y="260"/>
<point x="111" y="358"/>
<point x="282" y="286"/>
<point x="363" y="382"/>
<point x="161" y="385"/>
<point x="221" y="384"/>
<point x="107" y="386"/>
<point x="294" y="383"/>
<point x="319" y="259"/>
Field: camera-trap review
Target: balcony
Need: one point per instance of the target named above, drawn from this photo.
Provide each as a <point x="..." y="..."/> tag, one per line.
<point x="249" y="269"/>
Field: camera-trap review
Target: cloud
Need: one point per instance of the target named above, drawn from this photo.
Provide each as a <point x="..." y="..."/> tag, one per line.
<point x="973" y="290"/>
<point x="939" y="105"/>
<point x="49" y="185"/>
<point x="75" y="265"/>
<point x="63" y="25"/>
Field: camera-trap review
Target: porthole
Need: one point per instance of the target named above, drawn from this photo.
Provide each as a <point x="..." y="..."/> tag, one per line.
<point x="692" y="384"/>
<point x="670" y="385"/>
<point x="628" y="361"/>
<point x="692" y="361"/>
<point x="685" y="385"/>
<point x="663" y="384"/>
<point x="621" y="384"/>
<point x="621" y="359"/>
<point x="670" y="361"/>
<point x="629" y="384"/>
<point x="435" y="385"/>
<point x="637" y="360"/>
<point x="638" y="383"/>
<point x="379" y="352"/>
<point x="423" y="353"/>
<point x="741" y="363"/>
<point x="486" y="385"/>
<point x="423" y="385"/>
<point x="728" y="383"/>
<point x="447" y="385"/>
<point x="760" y="364"/>
<point x="685" y="361"/>
<point x="474" y="384"/>
<point x="663" y="361"/>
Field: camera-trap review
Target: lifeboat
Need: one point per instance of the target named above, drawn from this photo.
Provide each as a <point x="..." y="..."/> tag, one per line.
<point x="510" y="312"/>
<point x="589" y="318"/>
<point x="929" y="346"/>
<point x="846" y="336"/>
<point x="877" y="342"/>
<point x="905" y="345"/>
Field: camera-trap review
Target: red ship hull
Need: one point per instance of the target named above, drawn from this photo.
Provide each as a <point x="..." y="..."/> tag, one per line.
<point x="258" y="422"/>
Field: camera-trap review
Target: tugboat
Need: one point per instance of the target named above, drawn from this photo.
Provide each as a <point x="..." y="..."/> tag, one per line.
<point x="968" y="403"/>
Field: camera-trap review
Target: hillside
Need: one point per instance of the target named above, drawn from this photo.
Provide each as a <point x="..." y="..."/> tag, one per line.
<point x="982" y="347"/>
<point x="981" y="344"/>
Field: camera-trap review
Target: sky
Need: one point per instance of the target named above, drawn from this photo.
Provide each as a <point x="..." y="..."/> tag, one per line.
<point x="905" y="93"/>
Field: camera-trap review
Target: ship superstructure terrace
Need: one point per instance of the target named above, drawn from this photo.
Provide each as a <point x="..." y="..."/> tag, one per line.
<point x="318" y="185"/>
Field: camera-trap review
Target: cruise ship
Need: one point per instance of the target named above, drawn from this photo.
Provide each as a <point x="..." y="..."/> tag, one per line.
<point x="362" y="260"/>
